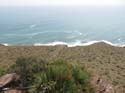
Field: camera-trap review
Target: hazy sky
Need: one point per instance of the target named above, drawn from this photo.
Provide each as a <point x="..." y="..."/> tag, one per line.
<point x="61" y="2"/>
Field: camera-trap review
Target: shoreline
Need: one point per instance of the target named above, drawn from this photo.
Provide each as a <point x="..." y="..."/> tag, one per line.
<point x="75" y="44"/>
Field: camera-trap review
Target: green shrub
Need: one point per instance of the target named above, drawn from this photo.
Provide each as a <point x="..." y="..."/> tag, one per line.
<point x="67" y="78"/>
<point x="2" y="72"/>
<point x="55" y="77"/>
<point x="27" y="68"/>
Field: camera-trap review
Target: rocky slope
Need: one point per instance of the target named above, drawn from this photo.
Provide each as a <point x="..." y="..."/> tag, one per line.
<point x="101" y="59"/>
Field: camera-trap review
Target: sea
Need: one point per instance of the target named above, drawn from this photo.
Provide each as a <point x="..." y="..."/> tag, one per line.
<point x="70" y="25"/>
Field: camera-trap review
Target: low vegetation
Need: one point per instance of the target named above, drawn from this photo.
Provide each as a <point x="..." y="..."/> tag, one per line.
<point x="101" y="59"/>
<point x="2" y="72"/>
<point x="53" y="77"/>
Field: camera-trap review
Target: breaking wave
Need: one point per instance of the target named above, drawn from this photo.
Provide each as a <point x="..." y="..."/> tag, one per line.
<point x="33" y="25"/>
<point x="77" y="43"/>
<point x="5" y="44"/>
<point x="72" y="44"/>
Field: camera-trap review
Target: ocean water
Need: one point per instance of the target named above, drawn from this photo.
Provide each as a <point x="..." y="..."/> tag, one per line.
<point x="61" y="25"/>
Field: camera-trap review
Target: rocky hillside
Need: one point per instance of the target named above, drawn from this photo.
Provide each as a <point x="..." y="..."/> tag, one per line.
<point x="101" y="59"/>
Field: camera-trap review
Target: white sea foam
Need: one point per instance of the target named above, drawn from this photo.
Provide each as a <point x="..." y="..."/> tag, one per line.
<point x="51" y="44"/>
<point x="33" y="25"/>
<point x="78" y="32"/>
<point x="77" y="43"/>
<point x="74" y="34"/>
<point x="73" y="44"/>
<point x="5" y="44"/>
<point x="119" y="39"/>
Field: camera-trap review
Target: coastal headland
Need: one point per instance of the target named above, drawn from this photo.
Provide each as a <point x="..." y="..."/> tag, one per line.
<point x="99" y="58"/>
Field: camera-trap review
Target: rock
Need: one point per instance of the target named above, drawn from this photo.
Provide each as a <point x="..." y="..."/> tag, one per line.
<point x="101" y="85"/>
<point x="8" y="78"/>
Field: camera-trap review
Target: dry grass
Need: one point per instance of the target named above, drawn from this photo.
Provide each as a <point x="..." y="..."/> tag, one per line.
<point x="103" y="59"/>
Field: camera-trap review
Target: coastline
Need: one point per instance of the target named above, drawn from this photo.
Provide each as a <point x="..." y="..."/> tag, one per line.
<point x="74" y="44"/>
